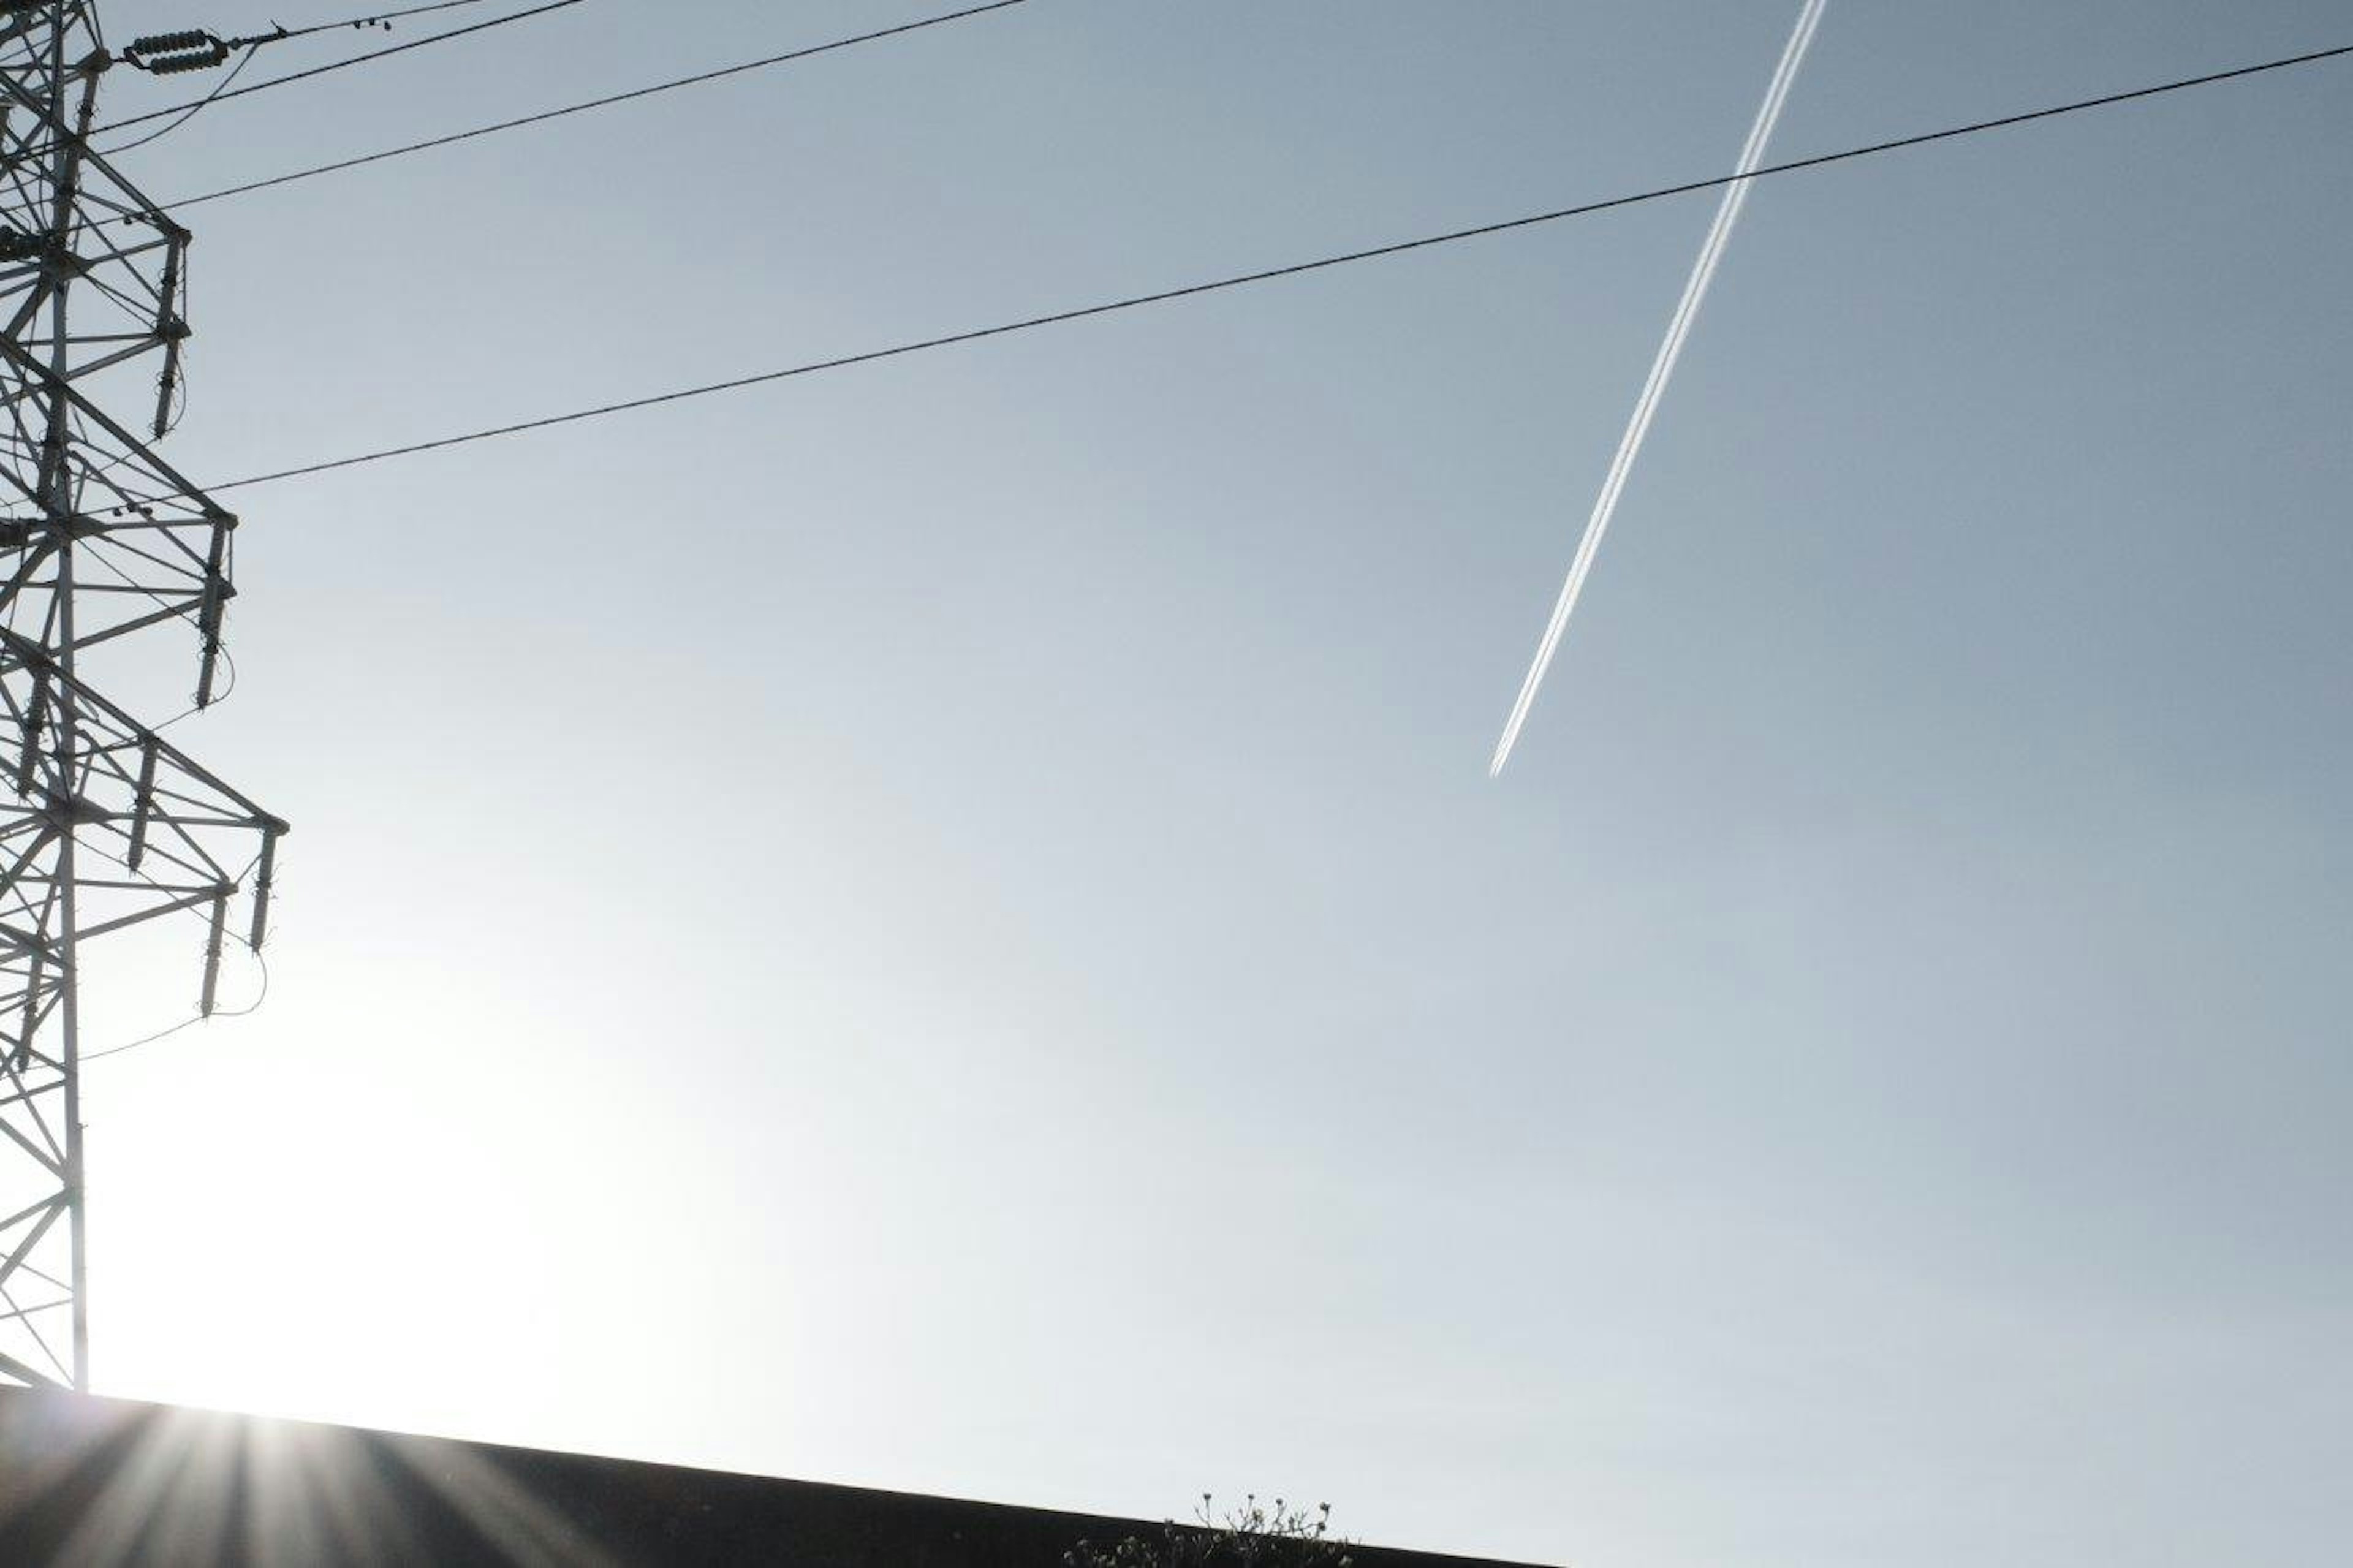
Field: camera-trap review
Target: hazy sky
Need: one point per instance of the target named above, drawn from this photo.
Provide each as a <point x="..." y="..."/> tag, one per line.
<point x="944" y="927"/>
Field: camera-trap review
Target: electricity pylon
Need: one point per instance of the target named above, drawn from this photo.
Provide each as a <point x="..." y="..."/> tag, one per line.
<point x="104" y="824"/>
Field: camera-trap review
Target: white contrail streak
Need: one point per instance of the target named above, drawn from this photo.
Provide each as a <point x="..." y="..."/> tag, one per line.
<point x="1727" y="213"/>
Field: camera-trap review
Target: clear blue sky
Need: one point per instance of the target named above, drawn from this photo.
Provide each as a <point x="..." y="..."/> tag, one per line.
<point x="944" y="927"/>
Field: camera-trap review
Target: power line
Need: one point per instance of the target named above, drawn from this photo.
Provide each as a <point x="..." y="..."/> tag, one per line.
<point x="215" y="49"/>
<point x="428" y="39"/>
<point x="193" y="110"/>
<point x="541" y="117"/>
<point x="371" y="20"/>
<point x="191" y="1022"/>
<point x="1293" y="269"/>
<point x="187" y="1023"/>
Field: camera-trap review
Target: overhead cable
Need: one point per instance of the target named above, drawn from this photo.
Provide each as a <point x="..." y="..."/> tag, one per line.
<point x="190" y="1021"/>
<point x="192" y="111"/>
<point x="1238" y="280"/>
<point x="200" y="49"/>
<point x="194" y="50"/>
<point x="383" y="19"/>
<point x="428" y="39"/>
<point x="606" y="102"/>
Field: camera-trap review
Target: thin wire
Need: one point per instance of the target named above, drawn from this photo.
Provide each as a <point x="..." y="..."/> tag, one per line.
<point x="547" y="115"/>
<point x="429" y="38"/>
<point x="194" y="109"/>
<point x="1294" y="269"/>
<point x="89" y="1056"/>
<point x="246" y="1011"/>
<point x="185" y="714"/>
<point x="371" y="18"/>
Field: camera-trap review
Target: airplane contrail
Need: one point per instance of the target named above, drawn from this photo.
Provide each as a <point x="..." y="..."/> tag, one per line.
<point x="1727" y="213"/>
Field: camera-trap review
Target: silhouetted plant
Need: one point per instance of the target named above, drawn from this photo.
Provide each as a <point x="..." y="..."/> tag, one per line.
<point x="1254" y="1535"/>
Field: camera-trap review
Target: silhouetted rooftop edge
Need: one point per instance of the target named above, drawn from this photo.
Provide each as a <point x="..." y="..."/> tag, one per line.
<point x="101" y="1480"/>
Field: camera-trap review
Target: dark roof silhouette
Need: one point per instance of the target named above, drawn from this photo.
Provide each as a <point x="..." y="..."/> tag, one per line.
<point x="98" y="1481"/>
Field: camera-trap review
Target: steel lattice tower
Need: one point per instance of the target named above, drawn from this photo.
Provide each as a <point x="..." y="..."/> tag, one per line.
<point x="104" y="547"/>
